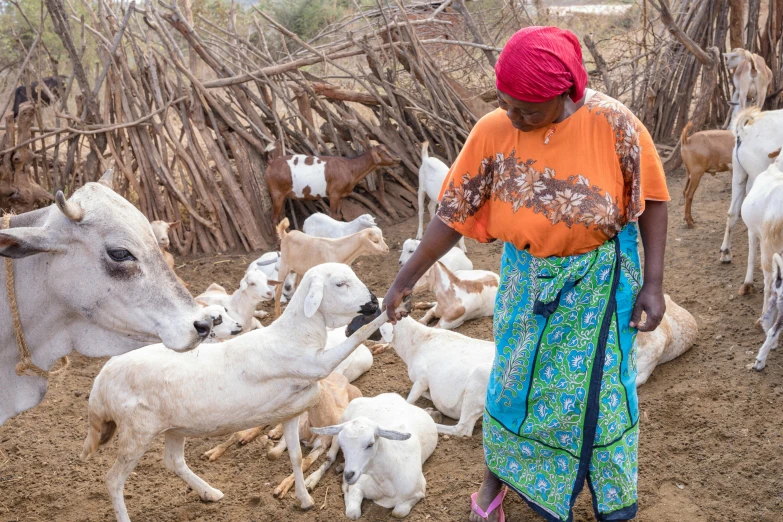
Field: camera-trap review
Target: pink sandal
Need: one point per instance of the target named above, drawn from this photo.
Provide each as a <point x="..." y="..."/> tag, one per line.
<point x="495" y="504"/>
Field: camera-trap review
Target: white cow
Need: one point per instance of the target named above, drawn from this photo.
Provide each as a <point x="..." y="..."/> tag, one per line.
<point x="89" y="277"/>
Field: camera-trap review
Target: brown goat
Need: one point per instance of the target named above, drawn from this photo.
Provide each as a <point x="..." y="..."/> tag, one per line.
<point x="705" y="151"/>
<point x="300" y="176"/>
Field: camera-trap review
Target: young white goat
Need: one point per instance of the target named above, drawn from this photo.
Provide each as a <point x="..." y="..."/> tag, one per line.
<point x="223" y="325"/>
<point x="455" y="259"/>
<point x="461" y="295"/>
<point x="300" y="252"/>
<point x="321" y="225"/>
<point x="161" y="230"/>
<point x="269" y="264"/>
<point x="772" y="321"/>
<point x="432" y="174"/>
<point x="254" y="288"/>
<point x="385" y="442"/>
<point x="450" y="369"/>
<point x="263" y="377"/>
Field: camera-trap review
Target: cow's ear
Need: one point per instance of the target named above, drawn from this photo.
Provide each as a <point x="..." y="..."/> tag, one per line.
<point x="27" y="241"/>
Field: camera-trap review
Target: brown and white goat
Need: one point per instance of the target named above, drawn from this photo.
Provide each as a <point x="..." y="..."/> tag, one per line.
<point x="704" y="152"/>
<point x="300" y="252"/>
<point x="673" y="337"/>
<point x="461" y="295"/>
<point x="336" y="394"/>
<point x="161" y="230"/>
<point x="299" y="176"/>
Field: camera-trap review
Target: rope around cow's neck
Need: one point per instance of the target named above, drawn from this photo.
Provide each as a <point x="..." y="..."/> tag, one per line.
<point x="25" y="364"/>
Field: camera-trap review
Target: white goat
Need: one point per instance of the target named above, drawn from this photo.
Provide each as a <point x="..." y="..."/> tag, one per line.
<point x="455" y="259"/>
<point x="269" y="264"/>
<point x="263" y="377"/>
<point x="321" y="225"/>
<point x="223" y="325"/>
<point x="751" y="78"/>
<point x="161" y="231"/>
<point x="356" y="364"/>
<point x="673" y="337"/>
<point x="300" y="252"/>
<point x="453" y="368"/>
<point x="461" y="295"/>
<point x="759" y="137"/>
<point x="762" y="212"/>
<point x="254" y="288"/>
<point x="772" y="321"/>
<point x="385" y="442"/>
<point x="432" y="175"/>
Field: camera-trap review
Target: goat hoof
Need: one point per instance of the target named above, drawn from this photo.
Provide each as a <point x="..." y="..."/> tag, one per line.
<point x="689" y="223"/>
<point x="212" y="495"/>
<point x="758" y="365"/>
<point x="758" y="324"/>
<point x="308" y="504"/>
<point x="725" y="256"/>
<point x="746" y="289"/>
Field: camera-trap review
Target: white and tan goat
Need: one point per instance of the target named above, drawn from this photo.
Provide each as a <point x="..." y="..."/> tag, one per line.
<point x="673" y="337"/>
<point x="751" y="78"/>
<point x="461" y="296"/>
<point x="759" y="136"/>
<point x="772" y="321"/>
<point x="432" y="175"/>
<point x="455" y="259"/>
<point x="300" y="252"/>
<point x="762" y="212"/>
<point x="385" y="442"/>
<point x="261" y="378"/>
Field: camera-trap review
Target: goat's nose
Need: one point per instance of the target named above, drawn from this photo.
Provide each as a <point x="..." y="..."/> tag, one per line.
<point x="203" y="328"/>
<point x="371" y="306"/>
<point x="349" y="475"/>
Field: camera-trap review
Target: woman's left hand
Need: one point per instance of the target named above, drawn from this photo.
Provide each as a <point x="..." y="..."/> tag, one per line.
<point x="650" y="300"/>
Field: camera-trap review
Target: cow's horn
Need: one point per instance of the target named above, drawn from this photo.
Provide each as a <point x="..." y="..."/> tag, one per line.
<point x="71" y="210"/>
<point x="107" y="179"/>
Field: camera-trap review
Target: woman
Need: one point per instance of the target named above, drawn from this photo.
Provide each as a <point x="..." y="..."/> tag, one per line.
<point x="562" y="175"/>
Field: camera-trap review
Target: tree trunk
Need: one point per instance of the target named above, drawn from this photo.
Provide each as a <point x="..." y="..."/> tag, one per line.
<point x="735" y="30"/>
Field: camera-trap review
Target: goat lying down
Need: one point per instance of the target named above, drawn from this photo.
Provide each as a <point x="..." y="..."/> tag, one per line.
<point x="673" y="337"/>
<point x="263" y="377"/>
<point x="462" y="295"/>
<point x="321" y="225"/>
<point x="254" y="288"/>
<point x="385" y="442"/>
<point x="772" y="321"/>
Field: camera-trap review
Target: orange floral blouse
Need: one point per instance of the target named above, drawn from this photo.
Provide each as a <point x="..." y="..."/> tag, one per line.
<point x="558" y="191"/>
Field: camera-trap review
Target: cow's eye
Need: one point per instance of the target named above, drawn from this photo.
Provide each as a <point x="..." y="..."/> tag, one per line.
<point x="120" y="255"/>
<point x="341" y="284"/>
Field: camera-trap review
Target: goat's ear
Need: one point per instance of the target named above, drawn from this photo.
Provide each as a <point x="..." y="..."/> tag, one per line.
<point x="391" y="434"/>
<point x="175" y="224"/>
<point x="387" y="332"/>
<point x="328" y="430"/>
<point x="314" y="297"/>
<point x="27" y="241"/>
<point x="243" y="284"/>
<point x="201" y="303"/>
<point x="272" y="282"/>
<point x="375" y="157"/>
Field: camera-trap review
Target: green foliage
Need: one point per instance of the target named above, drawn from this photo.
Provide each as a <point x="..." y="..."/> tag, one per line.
<point x="307" y="17"/>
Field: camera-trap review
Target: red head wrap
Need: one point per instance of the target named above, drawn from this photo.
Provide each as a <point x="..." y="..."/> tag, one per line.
<point x="539" y="63"/>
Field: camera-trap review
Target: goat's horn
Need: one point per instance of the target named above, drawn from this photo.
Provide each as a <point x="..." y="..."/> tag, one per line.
<point x="107" y="179"/>
<point x="71" y="210"/>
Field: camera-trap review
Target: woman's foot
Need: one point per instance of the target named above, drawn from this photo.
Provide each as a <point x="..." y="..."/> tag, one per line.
<point x="490" y="488"/>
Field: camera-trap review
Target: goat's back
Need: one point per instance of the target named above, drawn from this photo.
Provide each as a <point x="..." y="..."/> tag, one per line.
<point x="684" y="330"/>
<point x="710" y="147"/>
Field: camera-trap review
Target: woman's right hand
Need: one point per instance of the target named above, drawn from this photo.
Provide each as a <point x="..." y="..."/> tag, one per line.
<point x="393" y="300"/>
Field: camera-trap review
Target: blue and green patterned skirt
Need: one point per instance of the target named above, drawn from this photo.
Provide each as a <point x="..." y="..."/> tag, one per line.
<point x="561" y="403"/>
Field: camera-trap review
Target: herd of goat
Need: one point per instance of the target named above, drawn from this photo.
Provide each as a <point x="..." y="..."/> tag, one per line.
<point x="220" y="372"/>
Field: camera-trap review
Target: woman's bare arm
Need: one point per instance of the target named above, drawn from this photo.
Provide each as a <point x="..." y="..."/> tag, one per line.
<point x="653" y="226"/>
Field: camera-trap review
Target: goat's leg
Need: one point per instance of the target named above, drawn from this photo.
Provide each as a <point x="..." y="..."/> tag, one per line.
<point x="432" y="207"/>
<point x="218" y="451"/>
<point x="279" y="288"/>
<point x="402" y="509"/>
<point x="291" y="434"/>
<point x="472" y="409"/>
<point x="248" y="436"/>
<point x="753" y="246"/>
<point x="694" y="178"/>
<point x="431" y="314"/>
<point x="277" y="451"/>
<point x="174" y="460"/>
<point x="739" y="179"/>
<point x="276" y="432"/>
<point x="419" y="387"/>
<point x="773" y="334"/>
<point x="422" y="195"/>
<point x="353" y="496"/>
<point x="285" y="485"/>
<point x="128" y="455"/>
<point x="331" y="456"/>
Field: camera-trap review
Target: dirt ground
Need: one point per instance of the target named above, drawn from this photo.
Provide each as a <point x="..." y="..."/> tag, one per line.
<point x="710" y="445"/>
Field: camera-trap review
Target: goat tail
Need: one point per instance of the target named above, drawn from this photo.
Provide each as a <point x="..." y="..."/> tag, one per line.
<point x="746" y="117"/>
<point x="100" y="432"/>
<point x="686" y="131"/>
<point x="424" y="154"/>
<point x="281" y="228"/>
